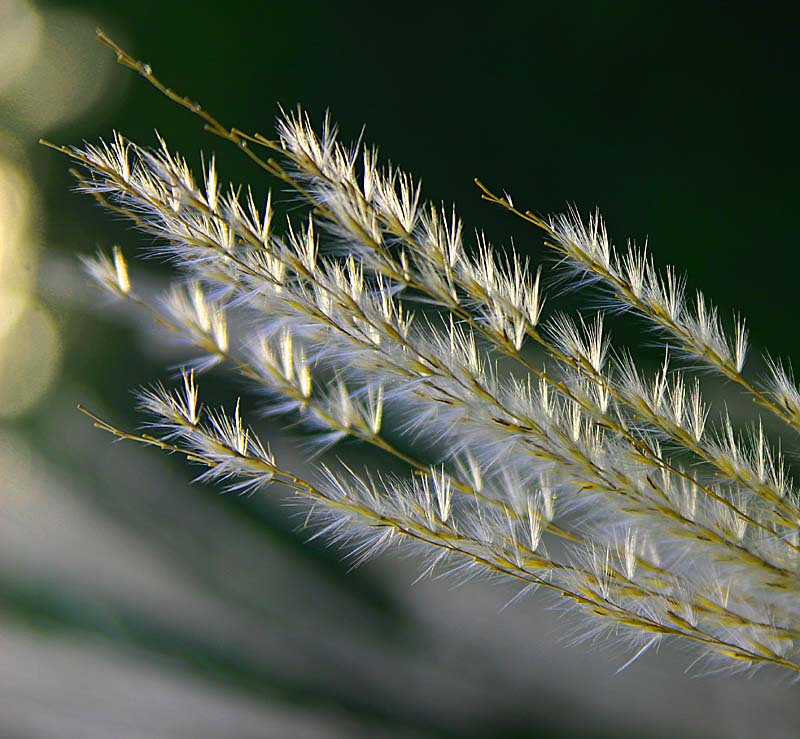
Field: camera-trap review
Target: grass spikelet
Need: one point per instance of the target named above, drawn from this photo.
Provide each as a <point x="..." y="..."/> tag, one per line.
<point x="618" y="490"/>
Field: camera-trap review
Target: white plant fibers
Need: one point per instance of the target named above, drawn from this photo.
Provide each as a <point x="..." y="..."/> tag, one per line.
<point x="612" y="487"/>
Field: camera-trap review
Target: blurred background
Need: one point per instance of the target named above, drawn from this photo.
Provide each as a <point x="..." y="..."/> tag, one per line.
<point x="136" y="605"/>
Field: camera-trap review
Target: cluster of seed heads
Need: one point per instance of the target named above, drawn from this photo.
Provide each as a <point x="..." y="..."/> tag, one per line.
<point x="584" y="475"/>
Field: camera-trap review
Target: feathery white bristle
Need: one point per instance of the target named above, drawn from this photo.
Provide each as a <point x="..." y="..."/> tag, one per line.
<point x="668" y="522"/>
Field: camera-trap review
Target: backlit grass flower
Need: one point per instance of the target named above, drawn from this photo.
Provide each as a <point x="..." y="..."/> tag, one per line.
<point x="613" y="487"/>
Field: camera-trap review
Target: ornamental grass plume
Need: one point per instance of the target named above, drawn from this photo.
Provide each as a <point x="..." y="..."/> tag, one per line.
<point x="586" y="476"/>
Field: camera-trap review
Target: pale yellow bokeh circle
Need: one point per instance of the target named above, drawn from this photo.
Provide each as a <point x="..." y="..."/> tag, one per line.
<point x="12" y="306"/>
<point x="18" y="252"/>
<point x="30" y="348"/>
<point x="30" y="352"/>
<point x="52" y="71"/>
<point x="20" y="39"/>
<point x="67" y="77"/>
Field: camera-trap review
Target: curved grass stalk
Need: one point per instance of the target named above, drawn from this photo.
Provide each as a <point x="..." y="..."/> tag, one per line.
<point x="569" y="453"/>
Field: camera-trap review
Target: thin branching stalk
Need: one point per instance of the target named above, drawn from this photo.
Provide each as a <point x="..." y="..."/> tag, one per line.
<point x="611" y="487"/>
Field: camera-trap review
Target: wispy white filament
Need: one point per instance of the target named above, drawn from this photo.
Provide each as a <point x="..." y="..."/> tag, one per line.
<point x="586" y="476"/>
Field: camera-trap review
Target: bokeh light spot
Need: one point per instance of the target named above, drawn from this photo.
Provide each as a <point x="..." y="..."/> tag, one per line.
<point x="20" y="39"/>
<point x="18" y="252"/>
<point x="30" y="353"/>
<point x="12" y="306"/>
<point x="67" y="77"/>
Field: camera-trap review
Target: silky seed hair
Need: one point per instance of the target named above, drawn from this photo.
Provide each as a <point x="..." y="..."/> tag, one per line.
<point x="371" y="316"/>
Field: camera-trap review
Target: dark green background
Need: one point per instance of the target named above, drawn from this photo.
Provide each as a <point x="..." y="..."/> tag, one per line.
<point x="678" y="120"/>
